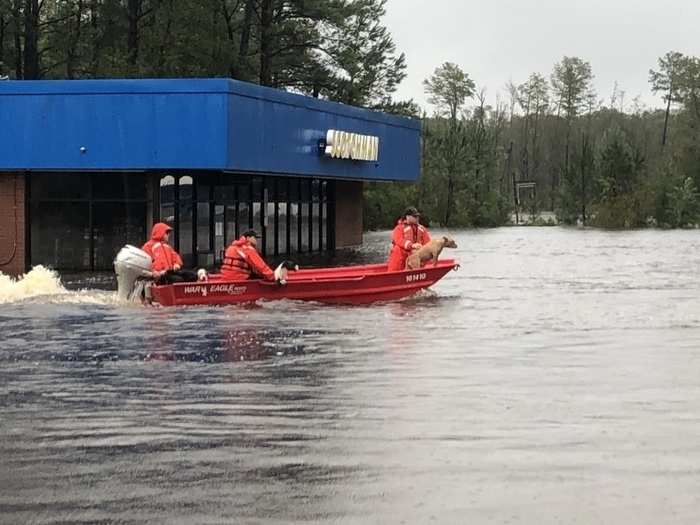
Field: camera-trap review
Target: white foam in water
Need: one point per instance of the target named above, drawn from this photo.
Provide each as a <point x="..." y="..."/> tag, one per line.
<point x="41" y="282"/>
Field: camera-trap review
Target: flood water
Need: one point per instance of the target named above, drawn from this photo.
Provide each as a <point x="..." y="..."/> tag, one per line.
<point x="554" y="379"/>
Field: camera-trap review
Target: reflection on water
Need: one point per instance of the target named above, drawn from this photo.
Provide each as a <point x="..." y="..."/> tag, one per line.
<point x="554" y="378"/>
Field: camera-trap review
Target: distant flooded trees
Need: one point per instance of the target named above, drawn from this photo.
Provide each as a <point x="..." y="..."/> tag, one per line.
<point x="607" y="163"/>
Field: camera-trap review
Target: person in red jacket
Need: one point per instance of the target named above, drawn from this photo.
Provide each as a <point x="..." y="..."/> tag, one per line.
<point x="167" y="263"/>
<point x="408" y="235"/>
<point x="242" y="261"/>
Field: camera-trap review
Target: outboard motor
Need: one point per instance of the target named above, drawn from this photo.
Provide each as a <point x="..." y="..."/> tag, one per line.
<point x="134" y="274"/>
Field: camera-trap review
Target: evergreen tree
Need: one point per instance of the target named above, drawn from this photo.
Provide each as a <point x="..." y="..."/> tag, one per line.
<point x="361" y="57"/>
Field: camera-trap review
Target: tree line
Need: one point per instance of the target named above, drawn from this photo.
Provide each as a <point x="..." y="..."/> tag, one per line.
<point x="607" y="162"/>
<point x="335" y="49"/>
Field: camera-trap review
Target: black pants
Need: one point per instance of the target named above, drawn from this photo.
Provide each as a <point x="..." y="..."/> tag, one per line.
<point x="177" y="276"/>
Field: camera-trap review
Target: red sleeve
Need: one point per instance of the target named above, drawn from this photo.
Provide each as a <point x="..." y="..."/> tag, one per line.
<point x="399" y="239"/>
<point x="258" y="265"/>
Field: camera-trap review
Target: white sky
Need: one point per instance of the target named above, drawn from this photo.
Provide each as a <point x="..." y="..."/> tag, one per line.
<point x="498" y="40"/>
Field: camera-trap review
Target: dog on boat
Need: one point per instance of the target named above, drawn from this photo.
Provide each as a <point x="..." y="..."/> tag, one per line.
<point x="429" y="251"/>
<point x="281" y="272"/>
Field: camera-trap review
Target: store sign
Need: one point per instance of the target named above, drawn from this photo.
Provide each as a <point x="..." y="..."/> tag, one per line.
<point x="346" y="145"/>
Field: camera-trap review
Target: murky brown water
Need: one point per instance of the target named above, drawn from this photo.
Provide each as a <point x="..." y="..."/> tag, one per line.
<point x="554" y="379"/>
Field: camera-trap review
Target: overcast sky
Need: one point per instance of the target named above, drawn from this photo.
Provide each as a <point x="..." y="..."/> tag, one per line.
<point x="497" y="40"/>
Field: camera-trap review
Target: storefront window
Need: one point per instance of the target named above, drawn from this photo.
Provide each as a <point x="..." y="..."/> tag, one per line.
<point x="203" y="239"/>
<point x="231" y="224"/>
<point x="244" y="210"/>
<point x="324" y="216"/>
<point x="270" y="231"/>
<point x="61" y="186"/>
<point x="293" y="218"/>
<point x="80" y="221"/>
<point x="305" y="225"/>
<point x="316" y="226"/>
<point x="61" y="235"/>
<point x="119" y="186"/>
<point x="219" y="224"/>
<point x="167" y="199"/>
<point x="184" y="224"/>
<point x="257" y="215"/>
<point x="114" y="225"/>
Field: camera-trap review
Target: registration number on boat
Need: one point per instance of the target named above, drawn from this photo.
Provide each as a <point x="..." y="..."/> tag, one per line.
<point x="416" y="277"/>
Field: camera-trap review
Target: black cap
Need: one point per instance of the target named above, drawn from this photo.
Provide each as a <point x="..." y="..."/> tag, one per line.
<point x="411" y="210"/>
<point x="250" y="233"/>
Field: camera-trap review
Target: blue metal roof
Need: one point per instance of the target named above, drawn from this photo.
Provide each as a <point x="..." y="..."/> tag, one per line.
<point x="210" y="124"/>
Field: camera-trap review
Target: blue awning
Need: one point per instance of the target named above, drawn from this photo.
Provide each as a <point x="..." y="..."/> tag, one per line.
<point x="193" y="124"/>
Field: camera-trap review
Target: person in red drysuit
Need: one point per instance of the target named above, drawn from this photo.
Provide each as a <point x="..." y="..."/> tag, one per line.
<point x="167" y="263"/>
<point x="242" y="261"/>
<point x="408" y="235"/>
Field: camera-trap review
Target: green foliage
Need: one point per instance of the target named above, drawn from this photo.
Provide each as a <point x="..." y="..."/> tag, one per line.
<point x="336" y="49"/>
<point x="572" y="85"/>
<point x="618" y="165"/>
<point x="384" y="203"/>
<point x="448" y="88"/>
<point x="677" y="203"/>
<point x="666" y="78"/>
<point x="619" y="212"/>
<point x="577" y="190"/>
<point x="361" y="57"/>
<point x="683" y="203"/>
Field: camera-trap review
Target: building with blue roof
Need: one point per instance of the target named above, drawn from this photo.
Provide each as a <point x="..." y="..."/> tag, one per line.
<point x="87" y="166"/>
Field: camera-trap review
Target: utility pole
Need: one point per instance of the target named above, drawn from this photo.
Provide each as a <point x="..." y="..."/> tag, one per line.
<point x="509" y="164"/>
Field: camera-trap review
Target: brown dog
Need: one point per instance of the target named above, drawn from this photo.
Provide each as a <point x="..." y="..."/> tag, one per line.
<point x="429" y="251"/>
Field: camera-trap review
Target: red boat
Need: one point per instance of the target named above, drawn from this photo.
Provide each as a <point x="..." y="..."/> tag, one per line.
<point x="342" y="285"/>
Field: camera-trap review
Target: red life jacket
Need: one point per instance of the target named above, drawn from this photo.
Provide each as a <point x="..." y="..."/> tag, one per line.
<point x="235" y="263"/>
<point x="242" y="261"/>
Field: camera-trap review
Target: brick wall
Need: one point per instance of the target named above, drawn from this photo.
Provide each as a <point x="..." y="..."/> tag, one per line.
<point x="348" y="214"/>
<point x="12" y="224"/>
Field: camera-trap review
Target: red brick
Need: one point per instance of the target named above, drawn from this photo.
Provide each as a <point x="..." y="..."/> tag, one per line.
<point x="12" y="224"/>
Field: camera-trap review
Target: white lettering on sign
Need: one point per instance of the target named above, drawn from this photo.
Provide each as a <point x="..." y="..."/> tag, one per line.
<point x="346" y="145"/>
<point x="416" y="277"/>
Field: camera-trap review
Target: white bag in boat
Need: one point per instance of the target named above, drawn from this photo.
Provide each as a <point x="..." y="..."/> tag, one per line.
<point x="133" y="269"/>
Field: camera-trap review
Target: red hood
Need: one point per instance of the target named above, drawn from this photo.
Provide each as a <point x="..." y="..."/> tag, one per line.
<point x="159" y="230"/>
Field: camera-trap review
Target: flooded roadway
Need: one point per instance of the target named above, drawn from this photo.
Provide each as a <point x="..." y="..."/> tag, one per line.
<point x="554" y="379"/>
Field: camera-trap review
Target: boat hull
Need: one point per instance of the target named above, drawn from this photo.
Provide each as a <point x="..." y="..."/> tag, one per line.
<point x="343" y="285"/>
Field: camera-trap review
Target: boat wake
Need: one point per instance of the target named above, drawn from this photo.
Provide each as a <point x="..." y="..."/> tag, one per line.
<point x="43" y="285"/>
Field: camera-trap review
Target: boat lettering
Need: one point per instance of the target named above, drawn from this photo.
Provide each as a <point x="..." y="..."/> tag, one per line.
<point x="196" y="290"/>
<point x="204" y="290"/>
<point x="230" y="289"/>
<point x="416" y="277"/>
